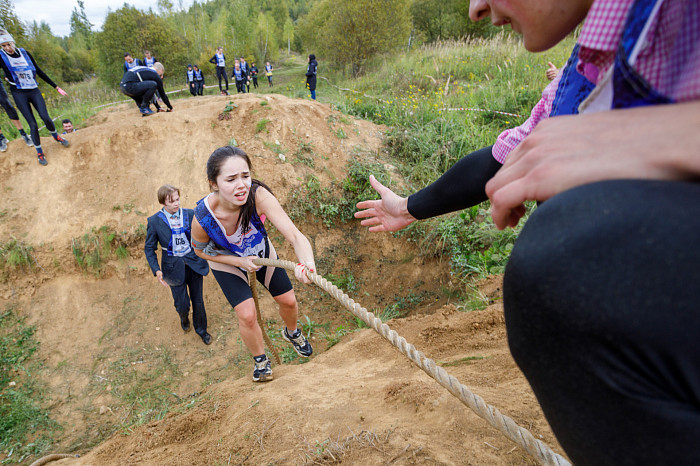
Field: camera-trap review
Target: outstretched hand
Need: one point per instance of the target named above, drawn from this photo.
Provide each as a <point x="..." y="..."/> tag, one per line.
<point x="390" y="213"/>
<point x="61" y="91"/>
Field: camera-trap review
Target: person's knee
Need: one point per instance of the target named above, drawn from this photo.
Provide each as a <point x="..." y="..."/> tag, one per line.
<point x="558" y="268"/>
<point x="246" y="314"/>
<point x="287" y="300"/>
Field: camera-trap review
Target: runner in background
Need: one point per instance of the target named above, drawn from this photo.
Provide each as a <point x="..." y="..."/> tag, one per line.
<point x="189" y="80"/>
<point x="21" y="71"/>
<point x="149" y="60"/>
<point x="268" y="73"/>
<point x="198" y="80"/>
<point x="130" y="62"/>
<point x="254" y="75"/>
<point x="219" y="60"/>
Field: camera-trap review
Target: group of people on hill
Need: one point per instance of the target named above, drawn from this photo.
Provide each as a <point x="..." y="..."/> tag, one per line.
<point x="143" y="80"/>
<point x="242" y="73"/>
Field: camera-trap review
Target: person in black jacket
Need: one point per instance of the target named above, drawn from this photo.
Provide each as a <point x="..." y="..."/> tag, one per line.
<point x="220" y="61"/>
<point x="254" y="75"/>
<point x="311" y="72"/>
<point x="21" y="70"/>
<point x="181" y="268"/>
<point x="140" y="83"/>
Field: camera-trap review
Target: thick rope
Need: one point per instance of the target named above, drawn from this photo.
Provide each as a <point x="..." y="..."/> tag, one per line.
<point x="521" y="436"/>
<point x="252" y="281"/>
<point x="52" y="457"/>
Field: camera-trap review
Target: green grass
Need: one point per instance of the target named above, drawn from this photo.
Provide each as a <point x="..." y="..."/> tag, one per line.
<point x="16" y="254"/>
<point x="261" y="125"/>
<point x="25" y="426"/>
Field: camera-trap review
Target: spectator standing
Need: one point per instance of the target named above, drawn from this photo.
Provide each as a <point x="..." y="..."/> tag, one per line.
<point x="311" y="71"/>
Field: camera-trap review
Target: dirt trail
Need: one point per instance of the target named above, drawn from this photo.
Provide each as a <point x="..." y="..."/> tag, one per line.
<point x="358" y="402"/>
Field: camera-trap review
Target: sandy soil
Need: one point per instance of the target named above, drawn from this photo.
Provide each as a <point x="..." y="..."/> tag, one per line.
<point x="357" y="402"/>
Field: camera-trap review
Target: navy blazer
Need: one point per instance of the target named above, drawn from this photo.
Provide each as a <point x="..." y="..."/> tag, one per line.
<point x="173" y="267"/>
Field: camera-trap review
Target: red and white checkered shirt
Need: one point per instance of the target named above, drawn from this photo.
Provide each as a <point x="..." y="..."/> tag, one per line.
<point x="669" y="59"/>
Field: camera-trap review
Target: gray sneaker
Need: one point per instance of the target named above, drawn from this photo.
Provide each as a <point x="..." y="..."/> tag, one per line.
<point x="299" y="342"/>
<point x="28" y="140"/>
<point x="262" y="371"/>
<point x="3" y="144"/>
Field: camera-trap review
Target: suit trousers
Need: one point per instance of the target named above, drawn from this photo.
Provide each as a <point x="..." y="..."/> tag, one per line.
<point x="193" y="282"/>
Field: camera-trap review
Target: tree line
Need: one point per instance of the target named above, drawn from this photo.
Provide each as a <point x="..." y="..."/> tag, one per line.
<point x="344" y="34"/>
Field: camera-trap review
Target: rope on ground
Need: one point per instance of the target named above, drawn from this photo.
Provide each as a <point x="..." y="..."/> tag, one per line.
<point x="521" y="436"/>
<point x="52" y="457"/>
<point x="252" y="281"/>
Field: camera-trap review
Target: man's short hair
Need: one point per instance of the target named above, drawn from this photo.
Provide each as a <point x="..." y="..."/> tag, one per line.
<point x="66" y="120"/>
<point x="127" y="54"/>
<point x="165" y="191"/>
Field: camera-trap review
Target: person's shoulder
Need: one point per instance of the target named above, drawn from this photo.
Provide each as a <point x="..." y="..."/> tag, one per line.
<point x="153" y="218"/>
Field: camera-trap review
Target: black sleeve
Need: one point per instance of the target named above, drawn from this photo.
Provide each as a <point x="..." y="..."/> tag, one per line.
<point x="462" y="186"/>
<point x="161" y="91"/>
<point x="39" y="71"/>
<point x="212" y="60"/>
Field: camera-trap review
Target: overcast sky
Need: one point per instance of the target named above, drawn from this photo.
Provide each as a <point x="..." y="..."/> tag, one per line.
<point x="57" y="12"/>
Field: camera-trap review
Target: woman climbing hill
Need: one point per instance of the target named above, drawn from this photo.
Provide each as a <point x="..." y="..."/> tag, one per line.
<point x="228" y="232"/>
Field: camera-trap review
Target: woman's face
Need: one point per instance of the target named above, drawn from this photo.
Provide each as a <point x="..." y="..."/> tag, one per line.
<point x="8" y="47"/>
<point x="234" y="181"/>
<point x="542" y="23"/>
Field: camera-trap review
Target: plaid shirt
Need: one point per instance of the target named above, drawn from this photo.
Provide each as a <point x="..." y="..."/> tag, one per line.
<point x="669" y="60"/>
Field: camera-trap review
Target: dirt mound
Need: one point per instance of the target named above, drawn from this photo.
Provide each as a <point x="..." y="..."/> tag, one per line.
<point x="108" y="335"/>
<point x="361" y="402"/>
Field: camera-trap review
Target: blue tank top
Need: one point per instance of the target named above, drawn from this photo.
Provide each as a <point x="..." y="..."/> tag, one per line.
<point x="252" y="242"/>
<point x="22" y="69"/>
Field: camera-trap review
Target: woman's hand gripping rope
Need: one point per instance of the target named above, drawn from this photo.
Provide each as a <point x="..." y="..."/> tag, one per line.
<point x="301" y="272"/>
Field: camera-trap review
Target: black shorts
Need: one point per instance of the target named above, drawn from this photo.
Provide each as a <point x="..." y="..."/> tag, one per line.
<point x="237" y="290"/>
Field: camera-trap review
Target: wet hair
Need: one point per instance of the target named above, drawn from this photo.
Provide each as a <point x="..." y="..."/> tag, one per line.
<point x="165" y="191"/>
<point x="214" y="164"/>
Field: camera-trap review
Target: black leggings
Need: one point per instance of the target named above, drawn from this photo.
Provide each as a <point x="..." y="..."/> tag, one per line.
<point x="602" y="305"/>
<point x="7" y="105"/>
<point x="24" y="99"/>
<point x="142" y="92"/>
<point x="221" y="73"/>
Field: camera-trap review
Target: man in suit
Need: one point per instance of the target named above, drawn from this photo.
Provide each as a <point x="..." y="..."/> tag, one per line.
<point x="181" y="269"/>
